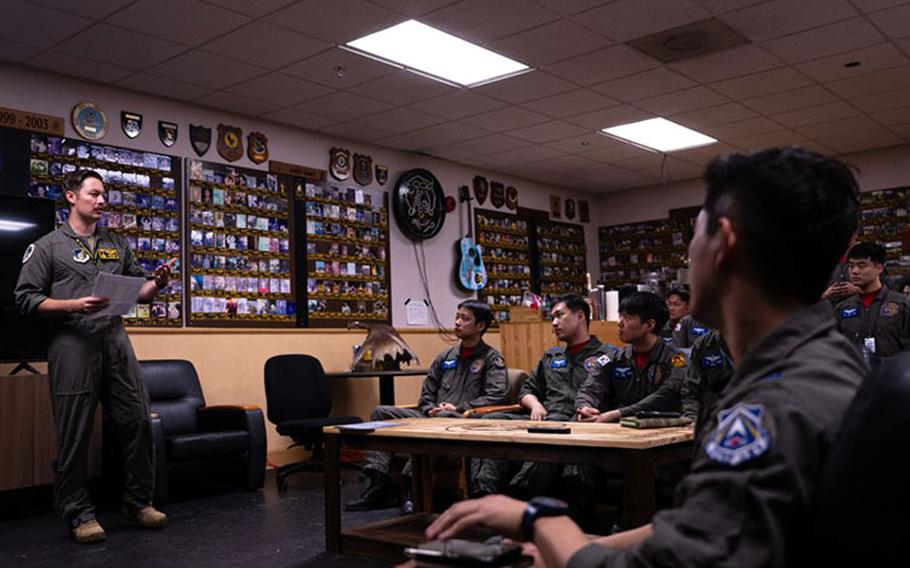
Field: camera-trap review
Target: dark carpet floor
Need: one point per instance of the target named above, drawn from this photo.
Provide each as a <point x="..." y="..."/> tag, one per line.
<point x="208" y="528"/>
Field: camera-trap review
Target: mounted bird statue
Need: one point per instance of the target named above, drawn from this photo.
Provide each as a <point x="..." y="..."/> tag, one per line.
<point x="388" y="349"/>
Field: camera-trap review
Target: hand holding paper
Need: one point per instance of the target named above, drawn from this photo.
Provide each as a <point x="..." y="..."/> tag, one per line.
<point x="120" y="291"/>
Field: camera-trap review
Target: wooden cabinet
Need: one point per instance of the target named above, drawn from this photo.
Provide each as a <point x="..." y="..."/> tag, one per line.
<point x="28" y="441"/>
<point x="523" y="344"/>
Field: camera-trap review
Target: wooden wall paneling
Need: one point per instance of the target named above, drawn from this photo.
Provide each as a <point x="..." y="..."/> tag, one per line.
<point x="16" y="438"/>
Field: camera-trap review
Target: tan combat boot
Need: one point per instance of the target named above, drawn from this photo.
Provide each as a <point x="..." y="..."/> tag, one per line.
<point x="147" y="517"/>
<point x="88" y="531"/>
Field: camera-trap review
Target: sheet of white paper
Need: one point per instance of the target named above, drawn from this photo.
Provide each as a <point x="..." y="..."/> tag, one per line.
<point x="417" y="313"/>
<point x="123" y="291"/>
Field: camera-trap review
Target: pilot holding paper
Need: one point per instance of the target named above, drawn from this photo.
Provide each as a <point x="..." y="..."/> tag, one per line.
<point x="90" y="358"/>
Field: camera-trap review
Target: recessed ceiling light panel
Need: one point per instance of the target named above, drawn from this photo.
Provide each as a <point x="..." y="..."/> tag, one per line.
<point x="659" y="134"/>
<point x="434" y="53"/>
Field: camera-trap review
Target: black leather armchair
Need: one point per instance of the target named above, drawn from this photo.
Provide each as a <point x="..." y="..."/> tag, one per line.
<point x="195" y="442"/>
<point x="299" y="405"/>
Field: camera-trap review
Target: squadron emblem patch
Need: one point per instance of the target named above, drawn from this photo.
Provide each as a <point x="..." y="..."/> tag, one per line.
<point x="476" y="366"/>
<point x="740" y="435"/>
<point x="678" y="361"/>
<point x="28" y="253"/>
<point x="890" y="309"/>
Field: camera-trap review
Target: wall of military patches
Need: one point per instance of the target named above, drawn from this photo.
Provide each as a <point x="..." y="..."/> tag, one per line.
<point x="146" y="124"/>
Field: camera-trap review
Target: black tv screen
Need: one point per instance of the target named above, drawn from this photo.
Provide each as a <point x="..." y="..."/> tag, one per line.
<point x="23" y="220"/>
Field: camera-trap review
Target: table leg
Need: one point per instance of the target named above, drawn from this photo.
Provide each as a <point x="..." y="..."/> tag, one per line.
<point x="387" y="390"/>
<point x="332" y="494"/>
<point x="422" y="471"/>
<point x="639" y="488"/>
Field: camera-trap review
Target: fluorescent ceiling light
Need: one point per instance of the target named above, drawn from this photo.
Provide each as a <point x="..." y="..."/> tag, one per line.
<point x="426" y="50"/>
<point x="14" y="226"/>
<point x="659" y="134"/>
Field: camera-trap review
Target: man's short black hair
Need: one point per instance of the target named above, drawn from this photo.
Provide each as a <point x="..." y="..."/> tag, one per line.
<point x="681" y="293"/>
<point x="872" y="251"/>
<point x="74" y="180"/>
<point x="482" y="313"/>
<point x="794" y="210"/>
<point x="575" y="303"/>
<point x="647" y="306"/>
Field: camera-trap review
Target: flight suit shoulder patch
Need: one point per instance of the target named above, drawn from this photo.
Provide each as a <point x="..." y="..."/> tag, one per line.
<point x="28" y="253"/>
<point x="740" y="436"/>
<point x="108" y="253"/>
<point x="678" y="361"/>
<point x="80" y="256"/>
<point x="890" y="309"/>
<point x="592" y="362"/>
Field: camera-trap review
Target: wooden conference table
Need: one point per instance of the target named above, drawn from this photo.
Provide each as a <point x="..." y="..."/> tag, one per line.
<point x="632" y="452"/>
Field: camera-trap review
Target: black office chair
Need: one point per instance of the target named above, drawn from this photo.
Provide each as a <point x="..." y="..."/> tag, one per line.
<point x="196" y="442"/>
<point x="863" y="503"/>
<point x="299" y="406"/>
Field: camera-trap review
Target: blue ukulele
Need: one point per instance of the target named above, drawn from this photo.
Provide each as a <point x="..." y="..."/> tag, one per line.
<point x="472" y="275"/>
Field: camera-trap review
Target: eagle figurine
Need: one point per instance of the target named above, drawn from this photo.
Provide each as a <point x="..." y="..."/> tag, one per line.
<point x="388" y="348"/>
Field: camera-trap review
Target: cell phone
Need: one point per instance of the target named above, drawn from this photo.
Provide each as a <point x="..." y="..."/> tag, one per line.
<point x="548" y="429"/>
<point x="657" y="414"/>
<point x="457" y="552"/>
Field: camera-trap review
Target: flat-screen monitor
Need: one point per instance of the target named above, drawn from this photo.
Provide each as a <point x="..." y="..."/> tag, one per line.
<point x="23" y="220"/>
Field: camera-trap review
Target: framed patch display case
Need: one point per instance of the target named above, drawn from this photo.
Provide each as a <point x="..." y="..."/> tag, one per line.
<point x="561" y="253"/>
<point x="240" y="270"/>
<point x="884" y="219"/>
<point x="143" y="194"/>
<point x="630" y="251"/>
<point x="347" y="253"/>
<point x="507" y="255"/>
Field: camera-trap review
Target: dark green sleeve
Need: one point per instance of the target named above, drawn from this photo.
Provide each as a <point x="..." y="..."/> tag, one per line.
<point x="665" y="398"/>
<point x="35" y="278"/>
<point x="430" y="386"/>
<point x="131" y="266"/>
<point x="594" y="390"/>
<point x="536" y="382"/>
<point x="692" y="387"/>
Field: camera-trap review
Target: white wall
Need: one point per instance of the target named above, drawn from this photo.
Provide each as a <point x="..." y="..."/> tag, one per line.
<point x="878" y="169"/>
<point x="37" y="91"/>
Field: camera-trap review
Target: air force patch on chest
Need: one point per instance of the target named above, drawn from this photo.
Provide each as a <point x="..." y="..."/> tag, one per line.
<point x="80" y="256"/>
<point x="740" y="435"/>
<point x="699" y="331"/>
<point x="591" y="363"/>
<point x="449" y="364"/>
<point x="849" y="313"/>
<point x="476" y="366"/>
<point x="622" y="372"/>
<point x="558" y="363"/>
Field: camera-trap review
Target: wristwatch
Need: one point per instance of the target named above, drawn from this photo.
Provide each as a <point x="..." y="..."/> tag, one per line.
<point x="541" y="507"/>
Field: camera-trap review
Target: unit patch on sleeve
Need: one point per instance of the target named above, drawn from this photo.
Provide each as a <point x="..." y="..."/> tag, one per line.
<point x="28" y="253"/>
<point x="740" y="435"/>
<point x="678" y="361"/>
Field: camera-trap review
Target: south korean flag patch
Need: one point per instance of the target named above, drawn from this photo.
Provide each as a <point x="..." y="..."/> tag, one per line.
<point x="740" y="436"/>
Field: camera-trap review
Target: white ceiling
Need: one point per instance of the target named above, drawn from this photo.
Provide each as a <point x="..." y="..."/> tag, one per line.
<point x="277" y="59"/>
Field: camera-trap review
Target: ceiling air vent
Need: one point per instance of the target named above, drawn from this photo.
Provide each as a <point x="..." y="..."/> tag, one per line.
<point x="691" y="40"/>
